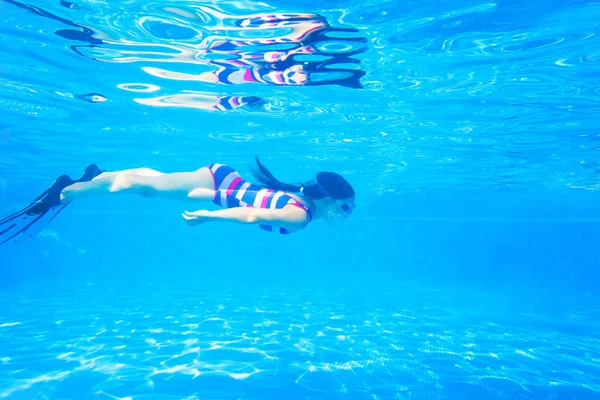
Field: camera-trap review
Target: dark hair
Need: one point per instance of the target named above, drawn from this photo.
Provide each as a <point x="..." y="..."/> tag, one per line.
<point x="327" y="184"/>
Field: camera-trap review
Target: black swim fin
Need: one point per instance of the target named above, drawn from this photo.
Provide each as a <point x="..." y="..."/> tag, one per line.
<point x="19" y="226"/>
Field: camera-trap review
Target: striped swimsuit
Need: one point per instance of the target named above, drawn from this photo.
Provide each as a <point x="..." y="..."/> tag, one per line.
<point x="232" y="191"/>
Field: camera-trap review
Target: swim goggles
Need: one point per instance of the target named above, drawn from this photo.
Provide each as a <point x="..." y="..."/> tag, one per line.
<point x="347" y="208"/>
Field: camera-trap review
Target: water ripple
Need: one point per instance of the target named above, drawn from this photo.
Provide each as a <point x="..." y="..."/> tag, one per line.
<point x="476" y="94"/>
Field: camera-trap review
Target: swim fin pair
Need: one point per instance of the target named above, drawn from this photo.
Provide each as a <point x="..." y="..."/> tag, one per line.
<point x="18" y="226"/>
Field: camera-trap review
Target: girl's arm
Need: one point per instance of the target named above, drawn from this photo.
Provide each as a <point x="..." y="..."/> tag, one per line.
<point x="291" y="217"/>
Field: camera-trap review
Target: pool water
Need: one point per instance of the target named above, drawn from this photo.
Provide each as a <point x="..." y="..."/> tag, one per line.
<point x="468" y="269"/>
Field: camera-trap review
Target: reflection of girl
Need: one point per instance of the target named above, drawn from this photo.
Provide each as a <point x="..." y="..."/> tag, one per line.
<point x="245" y="53"/>
<point x="203" y="101"/>
<point x="262" y="60"/>
<point x="273" y="205"/>
<point x="277" y="67"/>
<point x="291" y="76"/>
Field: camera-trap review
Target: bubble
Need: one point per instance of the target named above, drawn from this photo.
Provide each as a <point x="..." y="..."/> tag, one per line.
<point x="92" y="97"/>
<point x="138" y="87"/>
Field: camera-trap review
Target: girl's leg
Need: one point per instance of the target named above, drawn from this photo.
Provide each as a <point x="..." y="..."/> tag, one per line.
<point x="133" y="171"/>
<point x="146" y="182"/>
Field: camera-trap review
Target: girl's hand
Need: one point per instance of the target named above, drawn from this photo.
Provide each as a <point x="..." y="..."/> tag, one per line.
<point x="196" y="217"/>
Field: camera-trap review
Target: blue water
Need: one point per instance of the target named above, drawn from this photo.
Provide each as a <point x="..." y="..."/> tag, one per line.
<point x="469" y="269"/>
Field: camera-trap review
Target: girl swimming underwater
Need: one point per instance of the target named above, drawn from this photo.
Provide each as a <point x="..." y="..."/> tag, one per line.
<point x="272" y="205"/>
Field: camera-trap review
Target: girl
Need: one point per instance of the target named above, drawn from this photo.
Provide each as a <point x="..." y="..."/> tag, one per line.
<point x="272" y="205"/>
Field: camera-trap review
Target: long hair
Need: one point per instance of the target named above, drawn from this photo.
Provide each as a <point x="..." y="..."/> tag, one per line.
<point x="327" y="183"/>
